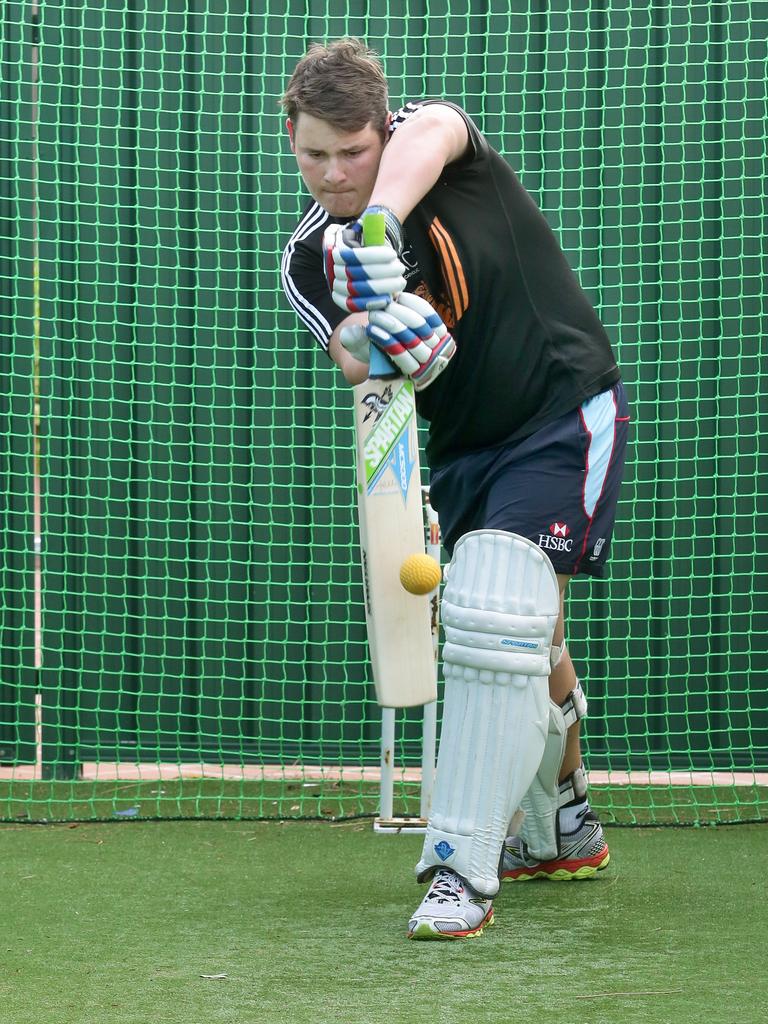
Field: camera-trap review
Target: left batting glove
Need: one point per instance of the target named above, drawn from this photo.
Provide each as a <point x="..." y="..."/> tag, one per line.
<point x="361" y="278"/>
<point x="414" y="337"/>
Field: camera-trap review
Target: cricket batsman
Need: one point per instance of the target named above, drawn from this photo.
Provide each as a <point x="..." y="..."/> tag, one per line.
<point x="474" y="300"/>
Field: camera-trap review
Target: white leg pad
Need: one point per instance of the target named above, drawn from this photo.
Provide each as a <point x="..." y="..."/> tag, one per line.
<point x="499" y="609"/>
<point x="546" y="796"/>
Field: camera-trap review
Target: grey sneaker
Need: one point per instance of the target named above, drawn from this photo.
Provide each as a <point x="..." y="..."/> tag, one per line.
<point x="450" y="910"/>
<point x="582" y="854"/>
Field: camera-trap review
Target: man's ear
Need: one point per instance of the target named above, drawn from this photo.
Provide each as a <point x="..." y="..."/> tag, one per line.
<point x="289" y="126"/>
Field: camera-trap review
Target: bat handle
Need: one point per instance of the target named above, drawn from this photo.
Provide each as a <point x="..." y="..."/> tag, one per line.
<point x="374" y="233"/>
<point x="374" y="229"/>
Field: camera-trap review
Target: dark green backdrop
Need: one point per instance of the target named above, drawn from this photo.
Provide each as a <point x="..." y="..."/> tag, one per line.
<point x="201" y="595"/>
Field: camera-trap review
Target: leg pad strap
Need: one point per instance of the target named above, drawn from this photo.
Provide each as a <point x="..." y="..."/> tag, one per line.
<point x="546" y="794"/>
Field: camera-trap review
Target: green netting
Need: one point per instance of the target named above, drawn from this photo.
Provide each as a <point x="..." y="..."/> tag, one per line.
<point x="196" y="601"/>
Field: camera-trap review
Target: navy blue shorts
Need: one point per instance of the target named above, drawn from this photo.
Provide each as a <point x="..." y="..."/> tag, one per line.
<point x="559" y="487"/>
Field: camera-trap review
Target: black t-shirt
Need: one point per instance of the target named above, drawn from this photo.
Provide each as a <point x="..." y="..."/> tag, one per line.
<point x="530" y="346"/>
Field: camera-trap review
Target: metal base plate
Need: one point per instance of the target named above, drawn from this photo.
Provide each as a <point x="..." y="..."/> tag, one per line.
<point x="394" y="826"/>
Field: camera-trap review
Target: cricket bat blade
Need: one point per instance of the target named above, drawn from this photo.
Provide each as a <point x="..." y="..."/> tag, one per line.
<point x="392" y="528"/>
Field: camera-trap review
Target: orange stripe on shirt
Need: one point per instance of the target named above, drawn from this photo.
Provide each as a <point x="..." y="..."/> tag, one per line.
<point x="453" y="272"/>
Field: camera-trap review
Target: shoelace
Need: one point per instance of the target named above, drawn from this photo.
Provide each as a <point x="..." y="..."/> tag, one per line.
<point x="445" y="889"/>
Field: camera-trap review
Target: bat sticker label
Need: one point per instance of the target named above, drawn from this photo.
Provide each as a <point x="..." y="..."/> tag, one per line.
<point x="389" y="443"/>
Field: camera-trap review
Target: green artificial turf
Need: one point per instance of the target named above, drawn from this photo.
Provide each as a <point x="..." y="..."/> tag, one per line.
<point x="118" y="923"/>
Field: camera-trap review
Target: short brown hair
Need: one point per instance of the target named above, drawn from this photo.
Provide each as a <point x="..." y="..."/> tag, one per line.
<point x="342" y="83"/>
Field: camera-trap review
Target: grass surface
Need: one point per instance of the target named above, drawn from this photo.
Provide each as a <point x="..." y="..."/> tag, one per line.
<point x="118" y="923"/>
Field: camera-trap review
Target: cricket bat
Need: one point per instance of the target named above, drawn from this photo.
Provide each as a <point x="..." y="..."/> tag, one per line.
<point x="391" y="527"/>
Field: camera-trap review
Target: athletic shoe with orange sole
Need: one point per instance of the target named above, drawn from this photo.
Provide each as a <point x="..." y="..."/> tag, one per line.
<point x="450" y="910"/>
<point x="582" y="854"/>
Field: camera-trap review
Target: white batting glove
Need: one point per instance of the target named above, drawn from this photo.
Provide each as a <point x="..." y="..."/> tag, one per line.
<point x="414" y="337"/>
<point x="360" y="277"/>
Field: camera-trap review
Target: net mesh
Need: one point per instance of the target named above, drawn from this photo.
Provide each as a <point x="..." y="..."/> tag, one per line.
<point x="181" y="628"/>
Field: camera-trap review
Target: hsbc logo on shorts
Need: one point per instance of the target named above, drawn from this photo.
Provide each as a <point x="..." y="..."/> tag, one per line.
<point x="557" y="539"/>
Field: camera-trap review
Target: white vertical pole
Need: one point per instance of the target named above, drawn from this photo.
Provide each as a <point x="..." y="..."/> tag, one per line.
<point x="37" y="527"/>
<point x="429" y="727"/>
<point x="387" y="783"/>
<point x="429" y="745"/>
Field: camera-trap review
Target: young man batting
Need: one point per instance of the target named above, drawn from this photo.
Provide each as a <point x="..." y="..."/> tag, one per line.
<point x="472" y="298"/>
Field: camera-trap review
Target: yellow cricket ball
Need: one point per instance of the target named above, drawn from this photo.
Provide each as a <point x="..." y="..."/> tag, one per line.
<point x="420" y="574"/>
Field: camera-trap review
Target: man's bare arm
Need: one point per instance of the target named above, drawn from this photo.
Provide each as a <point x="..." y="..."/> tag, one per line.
<point x="415" y="156"/>
<point x="426" y="143"/>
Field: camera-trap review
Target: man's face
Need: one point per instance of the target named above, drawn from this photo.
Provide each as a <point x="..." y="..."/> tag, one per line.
<point x="339" y="168"/>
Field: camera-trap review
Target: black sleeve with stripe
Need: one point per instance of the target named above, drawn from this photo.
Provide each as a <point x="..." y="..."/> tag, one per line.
<point x="304" y="281"/>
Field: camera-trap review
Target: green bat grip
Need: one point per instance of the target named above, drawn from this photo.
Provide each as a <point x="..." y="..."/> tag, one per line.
<point x="374" y="229"/>
<point x="374" y="233"/>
